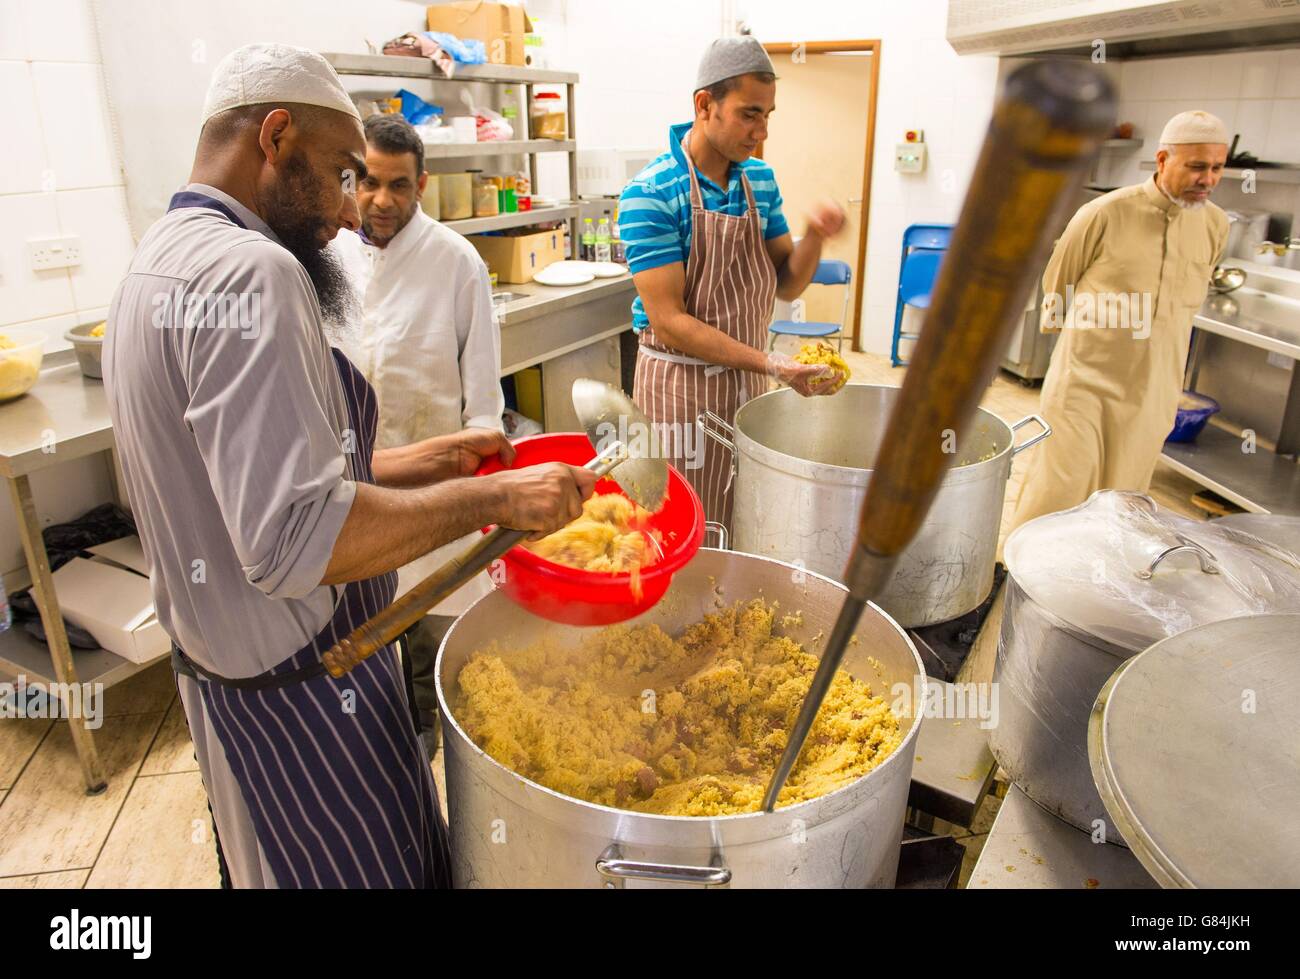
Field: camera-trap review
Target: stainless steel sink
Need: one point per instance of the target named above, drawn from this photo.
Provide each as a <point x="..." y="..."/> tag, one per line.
<point x="501" y="298"/>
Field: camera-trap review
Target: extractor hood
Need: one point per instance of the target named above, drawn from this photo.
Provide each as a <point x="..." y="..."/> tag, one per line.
<point x="1130" y="28"/>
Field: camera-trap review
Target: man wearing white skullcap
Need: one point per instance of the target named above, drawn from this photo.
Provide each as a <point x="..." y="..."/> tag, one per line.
<point x="272" y="526"/>
<point x="1124" y="281"/>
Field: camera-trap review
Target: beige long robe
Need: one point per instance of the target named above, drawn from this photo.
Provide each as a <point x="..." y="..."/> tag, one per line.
<point x="1124" y="281"/>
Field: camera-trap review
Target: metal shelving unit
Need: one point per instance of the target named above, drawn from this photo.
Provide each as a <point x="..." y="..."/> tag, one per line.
<point x="1287" y="174"/>
<point x="496" y="222"/>
<point x="390" y="66"/>
<point x="1262" y="481"/>
<point x="505" y="147"/>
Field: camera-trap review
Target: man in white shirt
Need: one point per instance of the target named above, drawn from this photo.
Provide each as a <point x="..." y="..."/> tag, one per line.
<point x="426" y="341"/>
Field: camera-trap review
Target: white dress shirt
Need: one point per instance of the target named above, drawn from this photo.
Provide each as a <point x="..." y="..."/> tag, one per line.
<point x="428" y="343"/>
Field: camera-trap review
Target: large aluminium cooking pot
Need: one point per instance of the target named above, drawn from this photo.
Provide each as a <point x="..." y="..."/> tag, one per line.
<point x="1089" y="588"/>
<point x="801" y="468"/>
<point x="507" y="831"/>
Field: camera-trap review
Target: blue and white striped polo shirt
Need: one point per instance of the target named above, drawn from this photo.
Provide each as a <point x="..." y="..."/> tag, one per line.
<point x="654" y="210"/>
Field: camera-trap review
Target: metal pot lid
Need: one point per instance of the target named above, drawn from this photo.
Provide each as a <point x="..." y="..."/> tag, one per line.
<point x="1195" y="749"/>
<point x="1120" y="568"/>
<point x="1276" y="528"/>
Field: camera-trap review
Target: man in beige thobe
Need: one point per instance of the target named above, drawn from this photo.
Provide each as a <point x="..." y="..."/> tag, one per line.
<point x="1122" y="286"/>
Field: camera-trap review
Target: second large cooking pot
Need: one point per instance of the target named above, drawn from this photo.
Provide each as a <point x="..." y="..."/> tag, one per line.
<point x="801" y="468"/>
<point x="1087" y="589"/>
<point x="506" y="831"/>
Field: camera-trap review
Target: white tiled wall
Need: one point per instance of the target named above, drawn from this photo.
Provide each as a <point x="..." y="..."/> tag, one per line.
<point x="1256" y="93"/>
<point x="60" y="177"/>
<point x="923" y="84"/>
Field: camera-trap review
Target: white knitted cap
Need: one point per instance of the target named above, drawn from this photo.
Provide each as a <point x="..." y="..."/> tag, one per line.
<point x="1195" y="127"/>
<point x="264" y="72"/>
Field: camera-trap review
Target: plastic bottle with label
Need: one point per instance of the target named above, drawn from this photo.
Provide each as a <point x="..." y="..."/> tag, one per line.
<point x="603" y="239"/>
<point x="588" y="253"/>
<point x="616" y="243"/>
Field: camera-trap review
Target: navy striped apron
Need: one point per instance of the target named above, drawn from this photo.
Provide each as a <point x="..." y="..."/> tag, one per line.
<point x="335" y="781"/>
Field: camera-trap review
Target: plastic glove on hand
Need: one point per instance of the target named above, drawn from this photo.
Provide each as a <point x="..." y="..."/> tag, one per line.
<point x="808" y="379"/>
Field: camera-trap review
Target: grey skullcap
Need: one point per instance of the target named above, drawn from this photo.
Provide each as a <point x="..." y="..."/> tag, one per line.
<point x="728" y="57"/>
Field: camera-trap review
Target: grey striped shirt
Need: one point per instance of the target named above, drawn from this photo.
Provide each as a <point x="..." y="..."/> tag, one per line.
<point x="232" y="428"/>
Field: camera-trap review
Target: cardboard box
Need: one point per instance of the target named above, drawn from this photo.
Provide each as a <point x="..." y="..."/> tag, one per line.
<point x="500" y="26"/>
<point x="112" y="602"/>
<point x="517" y="258"/>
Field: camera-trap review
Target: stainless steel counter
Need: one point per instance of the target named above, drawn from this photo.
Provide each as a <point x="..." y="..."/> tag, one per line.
<point x="539" y="300"/>
<point x="571" y="332"/>
<point x="1029" y="847"/>
<point x="64" y="417"/>
<point x="1252" y="316"/>
<point x="1262" y="320"/>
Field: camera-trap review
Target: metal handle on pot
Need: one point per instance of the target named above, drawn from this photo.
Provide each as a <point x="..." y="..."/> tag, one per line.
<point x="1047" y="430"/>
<point x="616" y="870"/>
<point x="1206" y="558"/>
<point x="721" y="530"/>
<point x="704" y="421"/>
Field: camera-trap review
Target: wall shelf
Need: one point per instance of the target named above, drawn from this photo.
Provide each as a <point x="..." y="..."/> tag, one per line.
<point x="1289" y="174"/>
<point x="399" y="66"/>
<point x="514" y="219"/>
<point x="505" y="147"/>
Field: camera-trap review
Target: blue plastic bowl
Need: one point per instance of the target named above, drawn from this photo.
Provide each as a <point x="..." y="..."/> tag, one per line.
<point x="1189" y="421"/>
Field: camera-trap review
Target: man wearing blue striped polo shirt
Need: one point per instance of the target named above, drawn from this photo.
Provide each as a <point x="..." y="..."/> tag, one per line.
<point x="710" y="250"/>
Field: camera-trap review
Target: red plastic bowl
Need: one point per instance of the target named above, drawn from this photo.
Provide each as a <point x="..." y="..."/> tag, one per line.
<point x="575" y="597"/>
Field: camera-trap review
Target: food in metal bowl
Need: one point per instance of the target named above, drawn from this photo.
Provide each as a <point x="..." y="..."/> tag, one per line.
<point x="98" y="329"/>
<point x="688" y="726"/>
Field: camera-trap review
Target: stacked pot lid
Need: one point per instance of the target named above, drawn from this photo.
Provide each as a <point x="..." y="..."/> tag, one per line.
<point x="1195" y="749"/>
<point x="1120" y="569"/>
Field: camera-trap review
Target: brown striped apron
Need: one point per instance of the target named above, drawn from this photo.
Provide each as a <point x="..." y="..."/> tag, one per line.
<point x="730" y="285"/>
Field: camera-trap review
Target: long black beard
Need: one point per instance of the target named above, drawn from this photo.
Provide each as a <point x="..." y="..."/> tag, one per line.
<point x="291" y="213"/>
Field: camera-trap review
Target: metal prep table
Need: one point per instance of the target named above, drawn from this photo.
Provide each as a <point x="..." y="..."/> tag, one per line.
<point x="1029" y="847"/>
<point x="571" y="331"/>
<point x="64" y="417"/>
<point x="1263" y="481"/>
<point x="953" y="770"/>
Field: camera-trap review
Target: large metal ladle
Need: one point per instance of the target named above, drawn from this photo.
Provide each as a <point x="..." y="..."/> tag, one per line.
<point x="625" y="444"/>
<point x="1046" y="129"/>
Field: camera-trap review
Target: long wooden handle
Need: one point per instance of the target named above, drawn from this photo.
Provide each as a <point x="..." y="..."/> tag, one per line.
<point x="1046" y="129"/>
<point x="1045" y="132"/>
<point x="377" y="632"/>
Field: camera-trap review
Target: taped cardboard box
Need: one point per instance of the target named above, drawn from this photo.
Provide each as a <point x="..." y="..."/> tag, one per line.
<point x="517" y="258"/>
<point x="500" y="26"/>
<point x="109" y="596"/>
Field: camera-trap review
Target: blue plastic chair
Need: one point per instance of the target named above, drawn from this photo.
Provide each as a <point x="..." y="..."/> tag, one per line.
<point x="924" y="246"/>
<point x="830" y="272"/>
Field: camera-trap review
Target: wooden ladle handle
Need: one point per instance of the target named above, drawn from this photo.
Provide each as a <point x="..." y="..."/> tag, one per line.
<point x="1046" y="129"/>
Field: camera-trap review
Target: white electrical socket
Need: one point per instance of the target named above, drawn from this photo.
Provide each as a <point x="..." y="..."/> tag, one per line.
<point x="54" y="253"/>
<point x="1280" y="360"/>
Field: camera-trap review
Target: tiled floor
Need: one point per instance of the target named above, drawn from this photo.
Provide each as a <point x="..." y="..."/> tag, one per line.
<point x="150" y="828"/>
